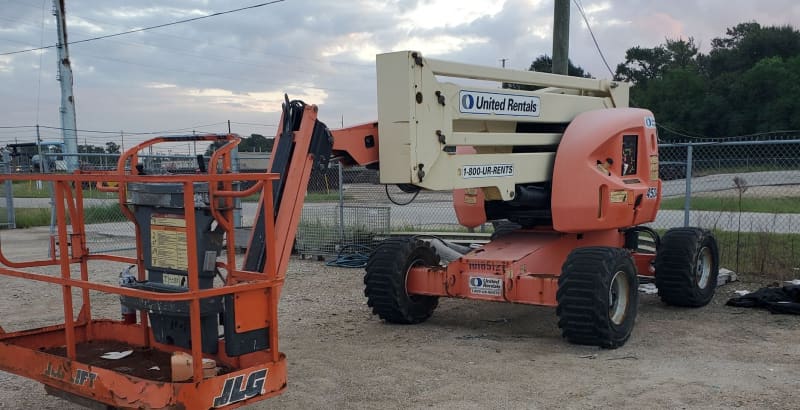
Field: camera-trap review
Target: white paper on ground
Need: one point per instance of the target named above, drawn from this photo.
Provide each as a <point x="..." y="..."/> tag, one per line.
<point x="648" y="288"/>
<point x="117" y="355"/>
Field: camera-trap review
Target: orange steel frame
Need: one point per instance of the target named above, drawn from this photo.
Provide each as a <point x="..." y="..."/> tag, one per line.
<point x="21" y="352"/>
<point x="527" y="262"/>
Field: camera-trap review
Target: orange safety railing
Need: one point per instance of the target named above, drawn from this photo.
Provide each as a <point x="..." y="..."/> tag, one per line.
<point x="24" y="352"/>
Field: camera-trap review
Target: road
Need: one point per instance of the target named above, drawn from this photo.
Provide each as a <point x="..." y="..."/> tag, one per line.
<point x="434" y="211"/>
<point x="722" y="182"/>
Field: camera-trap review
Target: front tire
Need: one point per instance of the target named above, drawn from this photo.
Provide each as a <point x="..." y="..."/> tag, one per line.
<point x="597" y="297"/>
<point x="385" y="281"/>
<point x="687" y="265"/>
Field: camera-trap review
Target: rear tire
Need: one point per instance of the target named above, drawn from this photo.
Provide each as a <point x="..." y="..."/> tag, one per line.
<point x="385" y="281"/>
<point x="598" y="297"/>
<point x="687" y="265"/>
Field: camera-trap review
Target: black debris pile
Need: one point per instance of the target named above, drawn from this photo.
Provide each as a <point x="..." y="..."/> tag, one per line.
<point x="784" y="299"/>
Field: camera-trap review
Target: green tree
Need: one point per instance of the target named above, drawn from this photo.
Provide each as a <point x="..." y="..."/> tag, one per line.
<point x="748" y="43"/>
<point x="257" y="143"/>
<point x="90" y="149"/>
<point x="253" y="143"/>
<point x="769" y="89"/>
<point x="644" y="64"/>
<point x="112" y="147"/>
<point x="544" y="64"/>
<point x="746" y="84"/>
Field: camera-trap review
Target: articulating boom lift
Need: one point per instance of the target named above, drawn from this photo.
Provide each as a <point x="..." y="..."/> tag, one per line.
<point x="566" y="171"/>
<point x="572" y="169"/>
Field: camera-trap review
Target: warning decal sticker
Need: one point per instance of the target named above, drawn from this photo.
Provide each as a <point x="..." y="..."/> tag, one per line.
<point x="168" y="242"/>
<point x="479" y="285"/>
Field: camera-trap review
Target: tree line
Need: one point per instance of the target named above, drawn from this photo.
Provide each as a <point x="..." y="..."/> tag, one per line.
<point x="748" y="83"/>
<point x="253" y="143"/>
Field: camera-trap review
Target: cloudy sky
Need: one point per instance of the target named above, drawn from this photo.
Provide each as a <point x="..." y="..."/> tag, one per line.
<point x="236" y="67"/>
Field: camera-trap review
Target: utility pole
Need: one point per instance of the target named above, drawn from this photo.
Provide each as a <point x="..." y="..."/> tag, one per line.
<point x="503" y="62"/>
<point x="68" y="124"/>
<point x="561" y="37"/>
<point x="42" y="162"/>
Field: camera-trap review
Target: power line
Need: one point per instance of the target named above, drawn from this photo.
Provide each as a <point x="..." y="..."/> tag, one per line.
<point x="205" y="56"/>
<point x="147" y="28"/>
<point x="588" y="26"/>
<point x="135" y="133"/>
<point x="254" y="123"/>
<point x="702" y="137"/>
<point x="682" y="134"/>
<point x="117" y="132"/>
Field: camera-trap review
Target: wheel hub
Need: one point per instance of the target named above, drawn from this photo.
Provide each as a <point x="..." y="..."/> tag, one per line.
<point x="618" y="298"/>
<point x="703" y="267"/>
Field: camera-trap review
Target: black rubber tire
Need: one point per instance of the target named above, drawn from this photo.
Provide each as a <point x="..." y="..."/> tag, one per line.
<point x="385" y="281"/>
<point x="677" y="267"/>
<point x="586" y="313"/>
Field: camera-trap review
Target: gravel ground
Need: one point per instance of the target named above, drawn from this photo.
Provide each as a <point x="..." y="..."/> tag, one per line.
<point x="478" y="355"/>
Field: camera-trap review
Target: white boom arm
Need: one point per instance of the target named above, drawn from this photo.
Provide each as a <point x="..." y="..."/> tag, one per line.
<point x="422" y="120"/>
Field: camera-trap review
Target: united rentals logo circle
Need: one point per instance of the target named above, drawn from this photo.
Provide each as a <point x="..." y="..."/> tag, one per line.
<point x="476" y="282"/>
<point x="467" y="101"/>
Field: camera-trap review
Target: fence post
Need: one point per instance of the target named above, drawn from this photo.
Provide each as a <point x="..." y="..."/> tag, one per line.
<point x="5" y="167"/>
<point x="687" y="199"/>
<point x="341" y="202"/>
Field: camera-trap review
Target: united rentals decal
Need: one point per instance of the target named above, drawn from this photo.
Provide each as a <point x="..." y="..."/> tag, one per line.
<point x="482" y="285"/>
<point x="479" y="102"/>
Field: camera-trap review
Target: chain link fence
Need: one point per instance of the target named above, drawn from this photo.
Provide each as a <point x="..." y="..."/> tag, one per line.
<point x="748" y="192"/>
<point x="107" y="229"/>
<point x="760" y="179"/>
<point x="356" y="213"/>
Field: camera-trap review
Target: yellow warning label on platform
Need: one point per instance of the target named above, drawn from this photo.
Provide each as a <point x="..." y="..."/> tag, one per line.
<point x="168" y="244"/>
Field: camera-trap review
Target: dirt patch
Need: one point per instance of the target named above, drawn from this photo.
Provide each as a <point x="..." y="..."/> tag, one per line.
<point x="478" y="355"/>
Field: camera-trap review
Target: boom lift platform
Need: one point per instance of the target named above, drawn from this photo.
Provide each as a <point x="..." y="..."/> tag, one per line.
<point x="180" y="222"/>
<point x="566" y="171"/>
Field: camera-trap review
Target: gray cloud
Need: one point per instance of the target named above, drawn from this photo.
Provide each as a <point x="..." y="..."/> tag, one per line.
<point x="237" y="66"/>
